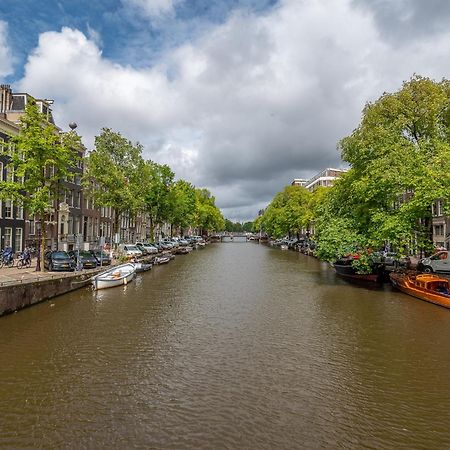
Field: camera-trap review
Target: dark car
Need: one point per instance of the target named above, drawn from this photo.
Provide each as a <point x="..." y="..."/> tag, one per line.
<point x="102" y="258"/>
<point x="58" y="260"/>
<point x="87" y="259"/>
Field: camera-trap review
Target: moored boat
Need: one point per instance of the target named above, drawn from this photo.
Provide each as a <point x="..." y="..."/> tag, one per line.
<point x="163" y="259"/>
<point x="428" y="287"/>
<point x="142" y="267"/>
<point x="116" y="276"/>
<point x="345" y="269"/>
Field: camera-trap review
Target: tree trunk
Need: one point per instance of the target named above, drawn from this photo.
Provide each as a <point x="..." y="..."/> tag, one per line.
<point x="152" y="230"/>
<point x="43" y="240"/>
<point x="115" y="227"/>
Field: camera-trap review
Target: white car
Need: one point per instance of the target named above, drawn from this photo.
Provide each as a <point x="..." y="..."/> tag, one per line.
<point x="129" y="250"/>
<point x="147" y="248"/>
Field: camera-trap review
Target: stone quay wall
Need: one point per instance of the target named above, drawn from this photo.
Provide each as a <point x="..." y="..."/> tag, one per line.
<point x="18" y="295"/>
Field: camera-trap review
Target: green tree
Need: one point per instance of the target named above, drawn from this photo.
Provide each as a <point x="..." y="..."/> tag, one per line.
<point x="400" y="159"/>
<point x="113" y="174"/>
<point x="247" y="226"/>
<point x="182" y="204"/>
<point x="156" y="189"/>
<point x="229" y="225"/>
<point x="39" y="159"/>
<point x="207" y="216"/>
<point x="288" y="212"/>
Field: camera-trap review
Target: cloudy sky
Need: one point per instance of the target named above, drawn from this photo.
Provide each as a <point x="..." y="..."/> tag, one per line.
<point x="239" y="96"/>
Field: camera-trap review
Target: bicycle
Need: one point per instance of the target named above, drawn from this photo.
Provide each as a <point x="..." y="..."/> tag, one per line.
<point x="24" y="262"/>
<point x="7" y="261"/>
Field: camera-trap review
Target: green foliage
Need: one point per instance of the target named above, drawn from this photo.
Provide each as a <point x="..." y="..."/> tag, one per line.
<point x="288" y="212"/>
<point x="207" y="216"/>
<point x="38" y="159"/>
<point x="400" y="158"/>
<point x="182" y="204"/>
<point x="238" y="227"/>
<point x="400" y="166"/>
<point x="247" y="227"/>
<point x="363" y="264"/>
<point x="113" y="174"/>
<point x="336" y="237"/>
<point x="156" y="191"/>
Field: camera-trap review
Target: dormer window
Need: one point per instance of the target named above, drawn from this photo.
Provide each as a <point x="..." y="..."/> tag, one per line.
<point x="19" y="102"/>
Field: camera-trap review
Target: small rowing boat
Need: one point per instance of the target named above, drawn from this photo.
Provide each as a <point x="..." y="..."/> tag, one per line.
<point x="142" y="267"/>
<point x="428" y="287"/>
<point x="116" y="276"/>
<point x="163" y="259"/>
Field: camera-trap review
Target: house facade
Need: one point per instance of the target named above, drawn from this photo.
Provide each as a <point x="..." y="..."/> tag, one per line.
<point x="12" y="218"/>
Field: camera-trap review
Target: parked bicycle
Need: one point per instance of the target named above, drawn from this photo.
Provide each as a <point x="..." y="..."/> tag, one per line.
<point x="24" y="260"/>
<point x="7" y="259"/>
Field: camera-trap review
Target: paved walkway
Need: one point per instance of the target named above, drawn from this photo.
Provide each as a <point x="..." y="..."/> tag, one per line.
<point x="14" y="275"/>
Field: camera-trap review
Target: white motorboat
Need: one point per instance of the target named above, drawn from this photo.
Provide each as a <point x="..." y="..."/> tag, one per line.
<point x="116" y="276"/>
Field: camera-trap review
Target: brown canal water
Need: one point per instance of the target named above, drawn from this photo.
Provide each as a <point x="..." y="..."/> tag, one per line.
<point x="236" y="346"/>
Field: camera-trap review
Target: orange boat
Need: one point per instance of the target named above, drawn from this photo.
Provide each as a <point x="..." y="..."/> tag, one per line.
<point x="428" y="287"/>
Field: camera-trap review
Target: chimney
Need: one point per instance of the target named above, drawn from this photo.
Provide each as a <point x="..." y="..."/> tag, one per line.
<point x="5" y="97"/>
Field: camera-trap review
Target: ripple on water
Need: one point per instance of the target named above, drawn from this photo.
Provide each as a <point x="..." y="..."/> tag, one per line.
<point x="234" y="346"/>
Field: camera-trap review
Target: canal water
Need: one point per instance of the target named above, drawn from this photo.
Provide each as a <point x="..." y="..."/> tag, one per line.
<point x="236" y="346"/>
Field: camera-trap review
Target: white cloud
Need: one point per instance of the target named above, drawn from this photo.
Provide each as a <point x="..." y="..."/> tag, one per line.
<point x="256" y="102"/>
<point x="151" y="8"/>
<point x="6" y="59"/>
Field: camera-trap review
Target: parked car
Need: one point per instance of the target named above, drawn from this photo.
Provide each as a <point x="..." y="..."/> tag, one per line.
<point x="174" y="242"/>
<point x="129" y="250"/>
<point x="87" y="259"/>
<point x="146" y="249"/>
<point x="391" y="260"/>
<point x="165" y="245"/>
<point x="439" y="262"/>
<point x="58" y="260"/>
<point x="157" y="246"/>
<point x="103" y="259"/>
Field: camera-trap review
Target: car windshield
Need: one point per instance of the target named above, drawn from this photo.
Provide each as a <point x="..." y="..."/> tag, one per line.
<point x="85" y="254"/>
<point x="131" y="247"/>
<point x="60" y="255"/>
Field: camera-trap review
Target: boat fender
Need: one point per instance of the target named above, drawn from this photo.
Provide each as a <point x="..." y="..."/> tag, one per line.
<point x="125" y="281"/>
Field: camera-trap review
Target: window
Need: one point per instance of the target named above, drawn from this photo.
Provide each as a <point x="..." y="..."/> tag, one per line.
<point x="8" y="209"/>
<point x="70" y="227"/>
<point x="8" y="237"/>
<point x="9" y="174"/>
<point x="439" y="230"/>
<point x="18" y="241"/>
<point x="11" y="148"/>
<point x="32" y="225"/>
<point x="19" y="211"/>
<point x="1" y="170"/>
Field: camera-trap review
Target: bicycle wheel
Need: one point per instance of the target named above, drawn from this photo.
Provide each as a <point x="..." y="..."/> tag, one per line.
<point x="20" y="263"/>
<point x="10" y="263"/>
<point x="28" y="263"/>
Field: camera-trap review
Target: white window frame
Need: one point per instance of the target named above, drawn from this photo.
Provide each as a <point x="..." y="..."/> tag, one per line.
<point x="18" y="243"/>
<point x="11" y="214"/>
<point x="7" y="244"/>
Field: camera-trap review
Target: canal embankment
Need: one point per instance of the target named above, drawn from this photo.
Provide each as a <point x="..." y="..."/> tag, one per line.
<point x="20" y="288"/>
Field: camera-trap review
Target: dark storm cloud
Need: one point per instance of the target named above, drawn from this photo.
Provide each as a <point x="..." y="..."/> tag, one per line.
<point x="256" y="101"/>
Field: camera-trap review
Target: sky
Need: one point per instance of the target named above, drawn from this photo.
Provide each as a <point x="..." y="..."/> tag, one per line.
<point x="238" y="96"/>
